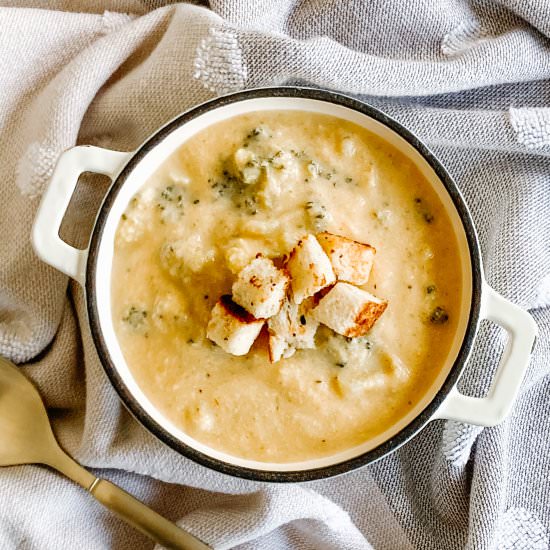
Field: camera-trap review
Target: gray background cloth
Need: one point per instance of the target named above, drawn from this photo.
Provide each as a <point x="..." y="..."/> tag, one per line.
<point x="470" y="78"/>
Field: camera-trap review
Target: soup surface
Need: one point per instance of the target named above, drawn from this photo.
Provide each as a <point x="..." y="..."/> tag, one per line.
<point x="258" y="183"/>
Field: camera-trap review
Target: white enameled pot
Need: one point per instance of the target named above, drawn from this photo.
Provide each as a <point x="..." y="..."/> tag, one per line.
<point x="91" y="267"/>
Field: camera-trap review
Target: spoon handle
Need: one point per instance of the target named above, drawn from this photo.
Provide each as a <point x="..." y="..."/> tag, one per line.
<point x="134" y="512"/>
<point x="124" y="505"/>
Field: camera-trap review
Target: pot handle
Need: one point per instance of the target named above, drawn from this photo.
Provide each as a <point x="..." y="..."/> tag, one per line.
<point x="522" y="333"/>
<point x="46" y="241"/>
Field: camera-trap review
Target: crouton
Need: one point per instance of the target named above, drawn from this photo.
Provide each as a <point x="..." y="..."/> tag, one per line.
<point x="351" y="260"/>
<point x="232" y="327"/>
<point x="310" y="269"/>
<point x="260" y="287"/>
<point x="348" y="310"/>
<point x="291" y="329"/>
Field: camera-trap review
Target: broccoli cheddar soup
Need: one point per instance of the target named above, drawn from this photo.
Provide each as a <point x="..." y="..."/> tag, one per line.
<point x="285" y="286"/>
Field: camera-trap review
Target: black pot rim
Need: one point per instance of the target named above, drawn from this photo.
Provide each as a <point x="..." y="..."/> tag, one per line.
<point x="388" y="446"/>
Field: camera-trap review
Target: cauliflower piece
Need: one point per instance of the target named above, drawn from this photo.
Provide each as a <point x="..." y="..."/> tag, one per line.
<point x="179" y="178"/>
<point x="260" y="228"/>
<point x="281" y="173"/>
<point x="241" y="252"/>
<point x="246" y="164"/>
<point x="349" y="147"/>
<point x="318" y="216"/>
<point x="136" y="219"/>
<point x="168" y="309"/>
<point x="204" y="418"/>
<point x="170" y="202"/>
<point x="189" y="253"/>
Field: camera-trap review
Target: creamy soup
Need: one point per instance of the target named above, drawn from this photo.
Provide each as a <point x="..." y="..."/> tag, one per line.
<point x="258" y="183"/>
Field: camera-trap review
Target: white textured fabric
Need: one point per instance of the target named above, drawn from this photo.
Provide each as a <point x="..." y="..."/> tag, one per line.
<point x="471" y="78"/>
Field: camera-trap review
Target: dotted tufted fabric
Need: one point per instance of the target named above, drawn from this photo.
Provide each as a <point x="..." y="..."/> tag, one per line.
<point x="471" y="79"/>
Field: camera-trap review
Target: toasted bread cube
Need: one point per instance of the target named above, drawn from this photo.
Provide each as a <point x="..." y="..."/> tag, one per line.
<point x="261" y="287"/>
<point x="291" y="329"/>
<point x="348" y="310"/>
<point x="351" y="260"/>
<point x="310" y="269"/>
<point x="232" y="328"/>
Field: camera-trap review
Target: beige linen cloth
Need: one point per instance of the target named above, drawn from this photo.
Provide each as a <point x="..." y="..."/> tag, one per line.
<point x="111" y="72"/>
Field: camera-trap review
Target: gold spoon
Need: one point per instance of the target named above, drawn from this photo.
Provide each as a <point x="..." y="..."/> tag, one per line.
<point x="27" y="438"/>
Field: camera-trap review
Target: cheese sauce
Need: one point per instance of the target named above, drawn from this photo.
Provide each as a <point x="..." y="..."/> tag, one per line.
<point x="258" y="183"/>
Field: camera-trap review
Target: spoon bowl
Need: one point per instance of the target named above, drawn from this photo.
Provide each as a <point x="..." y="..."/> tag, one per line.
<point x="25" y="429"/>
